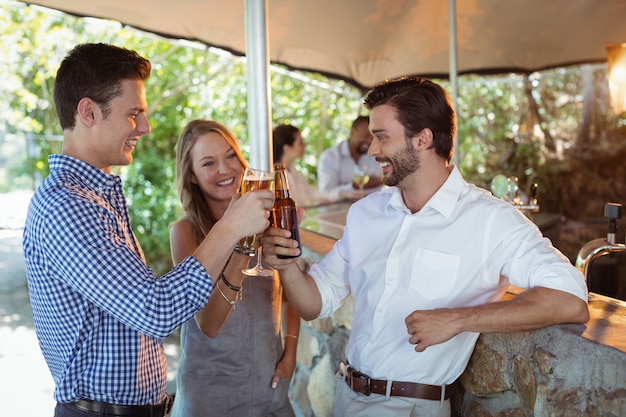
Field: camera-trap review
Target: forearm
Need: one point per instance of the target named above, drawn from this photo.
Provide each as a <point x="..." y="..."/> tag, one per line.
<point x="301" y="291"/>
<point x="532" y="309"/>
<point x="292" y="332"/>
<point x="287" y="363"/>
<point x="245" y="216"/>
<point x="212" y="317"/>
<point x="216" y="248"/>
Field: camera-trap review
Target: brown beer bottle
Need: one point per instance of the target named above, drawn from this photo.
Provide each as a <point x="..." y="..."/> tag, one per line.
<point x="284" y="213"/>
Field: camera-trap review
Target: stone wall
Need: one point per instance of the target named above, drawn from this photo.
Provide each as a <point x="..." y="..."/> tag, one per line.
<point x="320" y="350"/>
<point x="566" y="370"/>
<point x="548" y="372"/>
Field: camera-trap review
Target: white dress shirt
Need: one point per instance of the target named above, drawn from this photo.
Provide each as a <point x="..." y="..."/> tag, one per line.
<point x="335" y="169"/>
<point x="304" y="194"/>
<point x="462" y="248"/>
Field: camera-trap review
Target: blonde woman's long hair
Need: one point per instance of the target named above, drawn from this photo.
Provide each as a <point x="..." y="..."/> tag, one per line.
<point x="190" y="195"/>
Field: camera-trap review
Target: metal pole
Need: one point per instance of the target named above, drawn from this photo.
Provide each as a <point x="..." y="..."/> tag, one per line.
<point x="259" y="99"/>
<point x="454" y="86"/>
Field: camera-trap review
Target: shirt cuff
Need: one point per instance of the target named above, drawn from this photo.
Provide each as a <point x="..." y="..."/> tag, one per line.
<point x="199" y="282"/>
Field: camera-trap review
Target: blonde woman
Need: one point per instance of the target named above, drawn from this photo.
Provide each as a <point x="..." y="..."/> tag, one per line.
<point x="237" y="366"/>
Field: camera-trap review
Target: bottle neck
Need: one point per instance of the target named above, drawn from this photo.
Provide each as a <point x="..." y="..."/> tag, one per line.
<point x="281" y="186"/>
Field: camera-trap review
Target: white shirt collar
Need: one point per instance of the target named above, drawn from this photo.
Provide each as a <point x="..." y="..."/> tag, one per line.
<point x="443" y="201"/>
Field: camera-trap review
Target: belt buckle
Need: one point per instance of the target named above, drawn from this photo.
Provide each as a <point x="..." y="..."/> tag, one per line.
<point x="359" y="375"/>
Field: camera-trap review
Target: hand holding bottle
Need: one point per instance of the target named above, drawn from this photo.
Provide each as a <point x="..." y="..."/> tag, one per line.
<point x="284" y="213"/>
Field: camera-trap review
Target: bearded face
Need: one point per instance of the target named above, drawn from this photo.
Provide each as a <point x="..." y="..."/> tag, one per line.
<point x="403" y="163"/>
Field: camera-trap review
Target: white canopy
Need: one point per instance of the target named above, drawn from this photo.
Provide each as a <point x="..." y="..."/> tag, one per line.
<point x="367" y="41"/>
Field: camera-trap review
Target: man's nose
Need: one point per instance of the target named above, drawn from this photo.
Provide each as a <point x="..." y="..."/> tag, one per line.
<point x="373" y="150"/>
<point x="143" y="124"/>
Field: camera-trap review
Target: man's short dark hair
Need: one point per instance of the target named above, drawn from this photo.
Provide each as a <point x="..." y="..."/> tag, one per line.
<point x="361" y="119"/>
<point x="95" y="70"/>
<point x="419" y="104"/>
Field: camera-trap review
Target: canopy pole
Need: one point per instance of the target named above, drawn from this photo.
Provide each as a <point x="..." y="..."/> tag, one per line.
<point x="454" y="86"/>
<point x="259" y="98"/>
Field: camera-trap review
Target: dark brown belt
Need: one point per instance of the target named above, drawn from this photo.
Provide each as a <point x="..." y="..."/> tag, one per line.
<point x="362" y="383"/>
<point x="107" y="409"/>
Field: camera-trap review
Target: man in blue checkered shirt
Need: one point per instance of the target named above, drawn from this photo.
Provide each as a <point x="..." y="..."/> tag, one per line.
<point x="100" y="312"/>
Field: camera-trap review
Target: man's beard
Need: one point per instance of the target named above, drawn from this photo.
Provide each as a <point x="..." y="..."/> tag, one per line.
<point x="403" y="163"/>
<point x="363" y="148"/>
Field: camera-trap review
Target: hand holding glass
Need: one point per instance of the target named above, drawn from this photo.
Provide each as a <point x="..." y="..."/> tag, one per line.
<point x="361" y="176"/>
<point x="254" y="179"/>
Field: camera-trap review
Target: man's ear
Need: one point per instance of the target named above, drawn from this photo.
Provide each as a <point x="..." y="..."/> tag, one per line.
<point x="86" y="110"/>
<point x="423" y="140"/>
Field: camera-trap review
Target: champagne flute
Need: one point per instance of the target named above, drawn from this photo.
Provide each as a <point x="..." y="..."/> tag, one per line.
<point x="361" y="176"/>
<point x="254" y="179"/>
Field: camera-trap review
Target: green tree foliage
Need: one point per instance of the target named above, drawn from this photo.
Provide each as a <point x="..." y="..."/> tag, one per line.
<point x="487" y="124"/>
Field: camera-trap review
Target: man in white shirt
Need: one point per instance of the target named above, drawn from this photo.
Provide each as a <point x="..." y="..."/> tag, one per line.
<point x="425" y="260"/>
<point x="336" y="165"/>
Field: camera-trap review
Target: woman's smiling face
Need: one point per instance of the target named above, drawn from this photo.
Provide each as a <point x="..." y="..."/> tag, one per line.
<point x="215" y="167"/>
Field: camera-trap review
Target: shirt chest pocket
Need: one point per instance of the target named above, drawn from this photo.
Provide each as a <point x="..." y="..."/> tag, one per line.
<point x="434" y="275"/>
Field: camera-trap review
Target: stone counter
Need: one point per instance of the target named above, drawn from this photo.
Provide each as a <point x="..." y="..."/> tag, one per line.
<point x="563" y="370"/>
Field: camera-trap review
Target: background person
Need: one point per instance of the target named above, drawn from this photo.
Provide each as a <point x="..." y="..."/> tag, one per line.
<point x="445" y="252"/>
<point x="289" y="147"/>
<point x="335" y="169"/>
<point x="240" y="369"/>
<point x="100" y="313"/>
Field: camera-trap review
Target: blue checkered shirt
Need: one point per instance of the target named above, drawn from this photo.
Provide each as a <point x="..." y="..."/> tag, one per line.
<point x="100" y="313"/>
